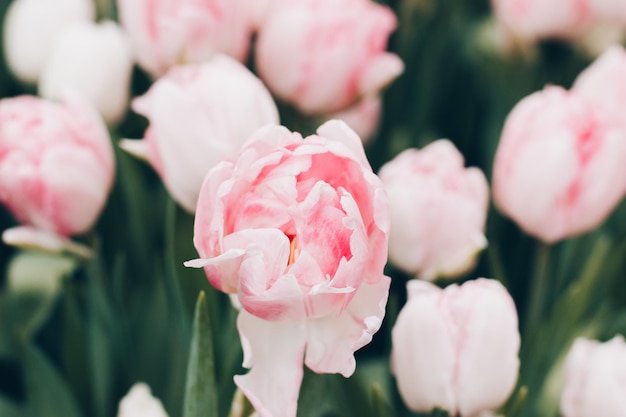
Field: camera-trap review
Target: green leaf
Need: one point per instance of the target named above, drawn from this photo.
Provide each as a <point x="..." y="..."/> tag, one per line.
<point x="200" y="391"/>
<point x="9" y="409"/>
<point x="47" y="392"/>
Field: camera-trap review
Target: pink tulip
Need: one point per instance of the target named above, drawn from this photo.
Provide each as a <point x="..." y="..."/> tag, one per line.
<point x="298" y="230"/>
<point x="56" y="163"/>
<point x="169" y="32"/>
<point x="200" y="114"/>
<point x="595" y="379"/>
<point x="438" y="211"/>
<point x="456" y="348"/>
<point x="323" y="55"/>
<point x="559" y="169"/>
<point x="603" y="83"/>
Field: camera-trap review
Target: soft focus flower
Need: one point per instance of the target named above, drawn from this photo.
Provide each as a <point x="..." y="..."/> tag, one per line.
<point x="96" y="61"/>
<point x="298" y="229"/>
<point x="594" y="24"/>
<point x="532" y="20"/>
<point x="139" y="402"/>
<point x="200" y="114"/>
<point x="31" y="28"/>
<point x="595" y="379"/>
<point x="56" y="163"/>
<point x="603" y="83"/>
<point x="456" y="348"/>
<point x="169" y="32"/>
<point x="322" y="55"/>
<point x="438" y="211"/>
<point x="363" y="117"/>
<point x="559" y="168"/>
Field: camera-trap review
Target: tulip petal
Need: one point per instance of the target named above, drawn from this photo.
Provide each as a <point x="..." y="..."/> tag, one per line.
<point x="332" y="340"/>
<point x="273" y="351"/>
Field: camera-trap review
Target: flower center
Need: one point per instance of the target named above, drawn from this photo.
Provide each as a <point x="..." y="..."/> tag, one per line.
<point x="293" y="249"/>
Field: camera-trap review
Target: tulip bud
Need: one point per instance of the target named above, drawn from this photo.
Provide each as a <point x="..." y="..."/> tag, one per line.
<point x="324" y="55"/>
<point x="32" y="27"/>
<point x="94" y="60"/>
<point x="559" y="168"/>
<point x="595" y="379"/>
<point x="438" y="211"/>
<point x="456" y="348"/>
<point x="139" y="402"/>
<point x="165" y="33"/>
<point x="56" y="163"/>
<point x="200" y="114"/>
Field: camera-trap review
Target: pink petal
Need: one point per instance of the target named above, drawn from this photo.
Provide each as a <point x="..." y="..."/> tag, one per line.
<point x="273" y="351"/>
<point x="332" y="340"/>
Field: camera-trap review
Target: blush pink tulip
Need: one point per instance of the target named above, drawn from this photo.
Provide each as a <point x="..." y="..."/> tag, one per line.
<point x="603" y="83"/>
<point x="456" y="348"/>
<point x="559" y="169"/>
<point x="323" y="55"/>
<point x="165" y="33"/>
<point x="298" y="230"/>
<point x="438" y="211"/>
<point x="200" y="114"/>
<point x="595" y="379"/>
<point x="56" y="163"/>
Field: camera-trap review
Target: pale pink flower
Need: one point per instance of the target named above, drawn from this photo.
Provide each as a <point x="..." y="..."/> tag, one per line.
<point x="603" y="82"/>
<point x="200" y="114"/>
<point x="169" y="32"/>
<point x="323" y="55"/>
<point x="456" y="348"/>
<point x="559" y="169"/>
<point x="139" y="402"/>
<point x="595" y="379"/>
<point x="438" y="211"/>
<point x="31" y="28"/>
<point x="298" y="230"/>
<point x="56" y="163"/>
<point x="94" y="59"/>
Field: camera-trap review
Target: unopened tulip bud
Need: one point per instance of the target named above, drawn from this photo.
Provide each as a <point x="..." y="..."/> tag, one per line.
<point x="94" y="59"/>
<point x="139" y="402"/>
<point x="438" y="211"/>
<point x="595" y="379"/>
<point x="559" y="169"/>
<point x="457" y="348"/>
<point x="31" y="28"/>
<point x="200" y="114"/>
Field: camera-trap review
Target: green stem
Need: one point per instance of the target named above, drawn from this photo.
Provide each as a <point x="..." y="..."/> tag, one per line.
<point x="536" y="303"/>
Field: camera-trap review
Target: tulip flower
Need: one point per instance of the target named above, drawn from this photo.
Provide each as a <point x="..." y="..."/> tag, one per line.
<point x="559" y="167"/>
<point x="165" y="33"/>
<point x="199" y="114"/>
<point x="595" y="379"/>
<point x="324" y="55"/>
<point x="438" y="211"/>
<point x="139" y="402"/>
<point x="456" y="348"/>
<point x="56" y="165"/>
<point x="96" y="61"/>
<point x="297" y="229"/>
